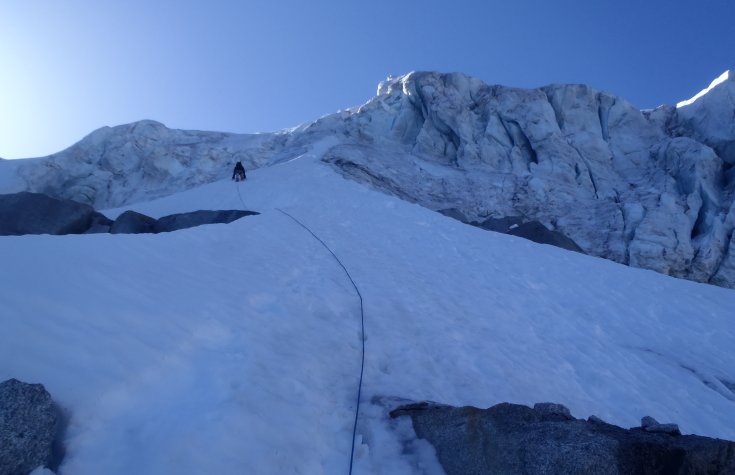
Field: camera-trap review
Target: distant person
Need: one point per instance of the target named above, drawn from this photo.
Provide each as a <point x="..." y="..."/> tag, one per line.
<point x="239" y="173"/>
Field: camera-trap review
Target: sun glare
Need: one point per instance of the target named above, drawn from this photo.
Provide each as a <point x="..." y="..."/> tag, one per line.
<point x="17" y="104"/>
<point x="723" y="77"/>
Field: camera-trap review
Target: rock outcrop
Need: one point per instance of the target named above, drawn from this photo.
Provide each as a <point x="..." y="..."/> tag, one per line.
<point x="30" y="428"/>
<point x="35" y="213"/>
<point x="652" y="188"/>
<point x="537" y="232"/>
<point x="514" y="225"/>
<point x="131" y="222"/>
<point x="178" y="221"/>
<point x="512" y="439"/>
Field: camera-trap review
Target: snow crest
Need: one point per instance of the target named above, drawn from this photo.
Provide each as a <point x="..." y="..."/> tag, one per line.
<point x="651" y="189"/>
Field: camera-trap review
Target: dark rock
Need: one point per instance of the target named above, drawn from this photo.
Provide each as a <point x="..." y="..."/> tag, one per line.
<point x="514" y="439"/>
<point x="672" y="429"/>
<point x="537" y="232"/>
<point x="647" y="421"/>
<point x="514" y="225"/>
<point x="131" y="222"/>
<point x="175" y="222"/>
<point x="553" y="411"/>
<point x="649" y="424"/>
<point x="30" y="427"/>
<point x="454" y="213"/>
<point x="595" y="420"/>
<point x="100" y="224"/>
<point x="36" y="213"/>
<point x="499" y="225"/>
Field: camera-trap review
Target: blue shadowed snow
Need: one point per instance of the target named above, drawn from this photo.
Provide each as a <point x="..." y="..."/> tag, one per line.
<point x="236" y="348"/>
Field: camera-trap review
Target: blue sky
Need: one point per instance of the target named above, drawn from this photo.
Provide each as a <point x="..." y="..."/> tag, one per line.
<point x="69" y="67"/>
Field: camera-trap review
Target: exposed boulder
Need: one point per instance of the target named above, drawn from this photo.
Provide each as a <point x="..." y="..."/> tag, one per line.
<point x="30" y="428"/>
<point x="100" y="224"/>
<point x="35" y="213"/>
<point x="553" y="411"/>
<point x="175" y="222"/>
<point x="512" y="439"/>
<point x="649" y="424"/>
<point x="499" y="225"/>
<point x="514" y="225"/>
<point x="454" y="213"/>
<point x="132" y="222"/>
<point x="537" y="232"/>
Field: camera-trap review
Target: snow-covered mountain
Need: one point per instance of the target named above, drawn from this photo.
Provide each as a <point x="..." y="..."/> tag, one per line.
<point x="652" y="188"/>
<point x="236" y="348"/>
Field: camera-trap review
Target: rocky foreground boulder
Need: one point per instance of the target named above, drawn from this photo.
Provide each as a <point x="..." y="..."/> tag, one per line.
<point x="30" y="428"/>
<point x="509" y="439"/>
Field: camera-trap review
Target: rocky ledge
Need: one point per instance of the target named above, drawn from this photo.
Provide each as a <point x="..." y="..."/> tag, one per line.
<point x="515" y="439"/>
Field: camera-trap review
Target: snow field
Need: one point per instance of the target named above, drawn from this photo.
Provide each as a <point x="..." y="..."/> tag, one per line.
<point x="235" y="348"/>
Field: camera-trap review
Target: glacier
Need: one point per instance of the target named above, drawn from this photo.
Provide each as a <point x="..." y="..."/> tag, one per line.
<point x="646" y="188"/>
<point x="236" y="348"/>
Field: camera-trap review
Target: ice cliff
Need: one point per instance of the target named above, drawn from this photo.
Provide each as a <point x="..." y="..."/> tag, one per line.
<point x="652" y="188"/>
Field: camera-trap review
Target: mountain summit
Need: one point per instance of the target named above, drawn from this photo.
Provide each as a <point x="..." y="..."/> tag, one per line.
<point x="648" y="188"/>
<point x="282" y="342"/>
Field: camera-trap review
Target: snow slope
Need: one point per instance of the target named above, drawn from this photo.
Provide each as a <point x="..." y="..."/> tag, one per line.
<point x="235" y="348"/>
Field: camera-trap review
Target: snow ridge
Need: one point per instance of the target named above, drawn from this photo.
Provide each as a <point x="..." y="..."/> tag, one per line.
<point x="722" y="78"/>
<point x="651" y="189"/>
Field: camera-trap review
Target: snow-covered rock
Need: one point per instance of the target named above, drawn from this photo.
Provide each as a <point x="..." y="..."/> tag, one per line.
<point x="639" y="187"/>
<point x="708" y="116"/>
<point x="652" y="189"/>
<point x="113" y="166"/>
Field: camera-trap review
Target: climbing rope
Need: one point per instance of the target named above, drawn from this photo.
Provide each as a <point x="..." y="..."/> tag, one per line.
<point x="239" y="195"/>
<point x="362" y="328"/>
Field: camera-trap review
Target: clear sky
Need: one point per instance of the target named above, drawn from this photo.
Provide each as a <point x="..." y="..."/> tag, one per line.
<point x="68" y="67"/>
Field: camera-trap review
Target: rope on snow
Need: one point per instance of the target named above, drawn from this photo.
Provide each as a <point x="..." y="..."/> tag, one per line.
<point x="362" y="325"/>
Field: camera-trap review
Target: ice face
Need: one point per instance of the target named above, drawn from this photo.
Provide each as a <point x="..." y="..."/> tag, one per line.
<point x="576" y="159"/>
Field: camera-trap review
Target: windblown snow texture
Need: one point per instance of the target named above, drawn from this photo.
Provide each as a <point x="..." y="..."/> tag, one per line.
<point x="652" y="189"/>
